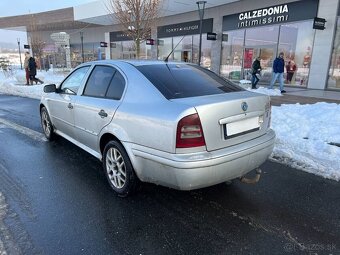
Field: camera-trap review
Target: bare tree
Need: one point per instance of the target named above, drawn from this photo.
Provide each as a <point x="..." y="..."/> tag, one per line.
<point x="136" y="17"/>
<point x="36" y="41"/>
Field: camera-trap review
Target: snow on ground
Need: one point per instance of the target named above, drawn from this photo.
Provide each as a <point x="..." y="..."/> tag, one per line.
<point x="14" y="83"/>
<point x="308" y="136"/>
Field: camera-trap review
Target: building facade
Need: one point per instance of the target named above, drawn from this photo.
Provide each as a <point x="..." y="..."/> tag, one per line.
<point x="233" y="35"/>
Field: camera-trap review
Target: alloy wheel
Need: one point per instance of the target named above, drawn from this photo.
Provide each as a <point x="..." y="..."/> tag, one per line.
<point x="115" y="167"/>
<point x="46" y="123"/>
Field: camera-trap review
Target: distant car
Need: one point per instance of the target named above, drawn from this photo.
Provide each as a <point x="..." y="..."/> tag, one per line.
<point x="173" y="124"/>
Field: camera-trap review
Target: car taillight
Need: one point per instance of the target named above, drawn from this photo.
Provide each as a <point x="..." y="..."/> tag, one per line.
<point x="189" y="132"/>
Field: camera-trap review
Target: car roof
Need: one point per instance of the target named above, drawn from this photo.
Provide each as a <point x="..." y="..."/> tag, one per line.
<point x="135" y="62"/>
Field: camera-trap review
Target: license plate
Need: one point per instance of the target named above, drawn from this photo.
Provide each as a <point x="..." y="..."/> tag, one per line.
<point x="242" y="126"/>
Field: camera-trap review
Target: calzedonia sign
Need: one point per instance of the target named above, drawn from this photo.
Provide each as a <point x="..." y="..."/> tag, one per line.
<point x="269" y="15"/>
<point x="281" y="13"/>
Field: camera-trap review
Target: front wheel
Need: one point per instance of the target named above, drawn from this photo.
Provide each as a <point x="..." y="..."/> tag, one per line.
<point x="118" y="169"/>
<point x="47" y="124"/>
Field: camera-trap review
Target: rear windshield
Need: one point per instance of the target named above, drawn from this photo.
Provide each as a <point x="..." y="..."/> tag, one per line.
<point x="183" y="80"/>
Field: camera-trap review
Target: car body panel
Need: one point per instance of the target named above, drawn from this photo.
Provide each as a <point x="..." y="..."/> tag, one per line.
<point x="201" y="169"/>
<point x="212" y="110"/>
<point x="88" y="123"/>
<point x="61" y="114"/>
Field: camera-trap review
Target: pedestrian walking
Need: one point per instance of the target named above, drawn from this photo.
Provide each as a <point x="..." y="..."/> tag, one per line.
<point x="278" y="70"/>
<point x="256" y="70"/>
<point x="290" y="68"/>
<point x="27" y="57"/>
<point x="32" y="68"/>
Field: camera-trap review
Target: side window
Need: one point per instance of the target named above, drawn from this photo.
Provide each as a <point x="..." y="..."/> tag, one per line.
<point x="99" y="81"/>
<point x="74" y="80"/>
<point x="117" y="86"/>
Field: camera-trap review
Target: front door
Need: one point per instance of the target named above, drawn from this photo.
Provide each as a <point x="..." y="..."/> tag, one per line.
<point x="267" y="54"/>
<point x="61" y="105"/>
<point x="182" y="55"/>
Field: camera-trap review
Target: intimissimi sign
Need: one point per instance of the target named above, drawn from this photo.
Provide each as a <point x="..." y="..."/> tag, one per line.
<point x="282" y="13"/>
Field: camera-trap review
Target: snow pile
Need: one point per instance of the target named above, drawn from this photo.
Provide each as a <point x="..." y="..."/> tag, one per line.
<point x="308" y="137"/>
<point x="266" y="91"/>
<point x="14" y="84"/>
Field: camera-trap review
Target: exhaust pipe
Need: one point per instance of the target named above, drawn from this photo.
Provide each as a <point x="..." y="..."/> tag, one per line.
<point x="252" y="180"/>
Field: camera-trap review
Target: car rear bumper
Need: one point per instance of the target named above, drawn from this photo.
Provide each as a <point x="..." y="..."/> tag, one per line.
<point x="203" y="169"/>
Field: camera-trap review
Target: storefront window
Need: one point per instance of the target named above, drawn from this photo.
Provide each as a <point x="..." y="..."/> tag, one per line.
<point x="91" y="52"/>
<point x="206" y="50"/>
<point x="296" y="41"/>
<point x="232" y="52"/>
<point x="261" y="42"/>
<point x="185" y="49"/>
<point x="164" y="48"/>
<point x="334" y="71"/>
<point x="127" y="50"/>
<point x="116" y="48"/>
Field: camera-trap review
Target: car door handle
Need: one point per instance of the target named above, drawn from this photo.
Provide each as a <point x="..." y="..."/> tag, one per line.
<point x="70" y="106"/>
<point x="102" y="114"/>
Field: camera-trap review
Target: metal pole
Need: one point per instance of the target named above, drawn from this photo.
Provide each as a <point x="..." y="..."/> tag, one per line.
<point x="201" y="15"/>
<point x="82" y="46"/>
<point x="18" y="40"/>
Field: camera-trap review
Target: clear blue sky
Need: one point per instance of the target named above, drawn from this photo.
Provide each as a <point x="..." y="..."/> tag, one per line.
<point x="20" y="7"/>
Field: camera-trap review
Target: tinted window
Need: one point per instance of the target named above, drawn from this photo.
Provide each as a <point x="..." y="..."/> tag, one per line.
<point x="117" y="86"/>
<point x="179" y="80"/>
<point x="74" y="80"/>
<point x="99" y="81"/>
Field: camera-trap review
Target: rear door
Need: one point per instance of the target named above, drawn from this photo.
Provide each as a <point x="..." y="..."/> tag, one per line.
<point x="98" y="103"/>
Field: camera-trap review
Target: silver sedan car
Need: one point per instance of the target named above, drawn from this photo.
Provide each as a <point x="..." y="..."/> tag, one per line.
<point x="168" y="123"/>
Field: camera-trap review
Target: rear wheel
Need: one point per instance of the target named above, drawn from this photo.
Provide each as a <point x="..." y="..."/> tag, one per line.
<point x="47" y="124"/>
<point x="118" y="169"/>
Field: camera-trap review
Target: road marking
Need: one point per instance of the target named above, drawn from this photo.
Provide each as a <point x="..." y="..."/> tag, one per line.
<point x="24" y="130"/>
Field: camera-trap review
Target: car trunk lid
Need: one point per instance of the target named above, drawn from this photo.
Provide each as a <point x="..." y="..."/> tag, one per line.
<point x="231" y="118"/>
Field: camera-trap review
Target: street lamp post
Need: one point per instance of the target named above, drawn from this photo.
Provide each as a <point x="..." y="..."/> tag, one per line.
<point x="82" y="45"/>
<point x="201" y="6"/>
<point x="18" y="40"/>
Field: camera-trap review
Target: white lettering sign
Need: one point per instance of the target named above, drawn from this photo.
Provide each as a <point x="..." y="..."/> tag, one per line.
<point x="276" y="10"/>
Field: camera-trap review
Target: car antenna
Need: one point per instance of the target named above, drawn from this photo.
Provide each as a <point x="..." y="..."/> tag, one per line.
<point x="167" y="58"/>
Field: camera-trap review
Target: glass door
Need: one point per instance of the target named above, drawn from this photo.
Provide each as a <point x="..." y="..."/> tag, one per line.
<point x="267" y="54"/>
<point x="182" y="55"/>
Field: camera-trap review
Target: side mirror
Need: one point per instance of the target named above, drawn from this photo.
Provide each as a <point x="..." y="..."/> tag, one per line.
<point x="50" y="88"/>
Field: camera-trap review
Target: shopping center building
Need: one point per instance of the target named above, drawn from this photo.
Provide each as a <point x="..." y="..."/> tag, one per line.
<point x="234" y="33"/>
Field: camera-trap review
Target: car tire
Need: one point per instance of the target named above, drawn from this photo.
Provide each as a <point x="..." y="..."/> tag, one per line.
<point x="47" y="124"/>
<point x="118" y="169"/>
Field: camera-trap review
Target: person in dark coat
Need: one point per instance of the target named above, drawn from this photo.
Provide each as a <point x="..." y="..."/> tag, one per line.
<point x="290" y="68"/>
<point x="278" y="70"/>
<point x="256" y="69"/>
<point x="32" y="68"/>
